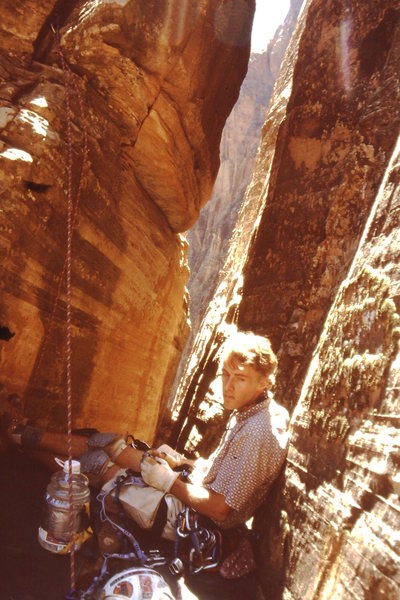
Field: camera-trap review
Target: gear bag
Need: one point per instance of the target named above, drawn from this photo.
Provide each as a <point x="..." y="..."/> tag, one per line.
<point x="151" y="509"/>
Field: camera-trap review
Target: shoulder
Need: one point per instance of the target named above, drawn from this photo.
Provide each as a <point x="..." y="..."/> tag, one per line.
<point x="273" y="414"/>
<point x="280" y="423"/>
<point x="279" y="414"/>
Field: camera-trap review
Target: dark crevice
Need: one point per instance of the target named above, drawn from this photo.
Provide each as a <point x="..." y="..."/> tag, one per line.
<point x="376" y="45"/>
<point x="5" y="333"/>
<point x="23" y="90"/>
<point x="195" y="392"/>
<point x="36" y="187"/>
<point x="57" y="18"/>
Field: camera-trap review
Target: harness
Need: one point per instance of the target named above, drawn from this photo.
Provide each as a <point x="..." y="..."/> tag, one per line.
<point x="198" y="546"/>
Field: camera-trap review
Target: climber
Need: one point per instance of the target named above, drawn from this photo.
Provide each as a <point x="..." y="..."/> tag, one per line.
<point x="236" y="478"/>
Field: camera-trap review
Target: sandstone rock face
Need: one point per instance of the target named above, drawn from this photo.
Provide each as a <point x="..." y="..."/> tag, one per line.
<point x="156" y="82"/>
<point x="333" y="149"/>
<point x="320" y="277"/>
<point x="344" y="458"/>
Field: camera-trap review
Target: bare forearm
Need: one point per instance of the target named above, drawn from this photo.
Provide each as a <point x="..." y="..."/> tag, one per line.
<point x="130" y="459"/>
<point x="205" y="501"/>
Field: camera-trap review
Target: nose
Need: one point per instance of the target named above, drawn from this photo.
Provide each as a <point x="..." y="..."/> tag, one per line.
<point x="228" y="383"/>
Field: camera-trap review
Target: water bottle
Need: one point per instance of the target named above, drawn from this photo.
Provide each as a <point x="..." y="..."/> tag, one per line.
<point x="54" y="533"/>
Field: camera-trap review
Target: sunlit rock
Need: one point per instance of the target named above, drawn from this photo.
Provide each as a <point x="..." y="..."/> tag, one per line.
<point x="153" y="85"/>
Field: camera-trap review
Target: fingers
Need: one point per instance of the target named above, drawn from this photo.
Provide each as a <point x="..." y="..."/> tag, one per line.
<point x="153" y="457"/>
<point x="159" y="455"/>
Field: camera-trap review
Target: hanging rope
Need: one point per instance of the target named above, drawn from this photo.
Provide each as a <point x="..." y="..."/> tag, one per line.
<point x="67" y="272"/>
<point x="67" y="72"/>
<point x="68" y="336"/>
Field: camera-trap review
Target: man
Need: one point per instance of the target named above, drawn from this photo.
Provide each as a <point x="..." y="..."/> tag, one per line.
<point x="238" y="475"/>
<point x="251" y="453"/>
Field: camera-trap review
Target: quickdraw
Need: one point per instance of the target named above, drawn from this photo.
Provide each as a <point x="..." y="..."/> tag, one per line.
<point x="205" y="544"/>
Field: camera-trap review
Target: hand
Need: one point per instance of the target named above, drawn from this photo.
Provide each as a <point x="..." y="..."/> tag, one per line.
<point x="157" y="473"/>
<point x="173" y="458"/>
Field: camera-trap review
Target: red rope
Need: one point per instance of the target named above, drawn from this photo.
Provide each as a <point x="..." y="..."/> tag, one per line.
<point x="69" y="325"/>
<point x="67" y="270"/>
<point x="66" y="70"/>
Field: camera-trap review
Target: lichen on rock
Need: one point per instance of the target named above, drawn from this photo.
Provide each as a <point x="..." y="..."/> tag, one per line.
<point x="355" y="349"/>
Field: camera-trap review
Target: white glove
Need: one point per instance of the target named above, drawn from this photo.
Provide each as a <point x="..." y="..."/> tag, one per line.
<point x="173" y="458"/>
<point x="157" y="473"/>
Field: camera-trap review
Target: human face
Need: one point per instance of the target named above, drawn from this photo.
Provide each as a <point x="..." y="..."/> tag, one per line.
<point x="241" y="384"/>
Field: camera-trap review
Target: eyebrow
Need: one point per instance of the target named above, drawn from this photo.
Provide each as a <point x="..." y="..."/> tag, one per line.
<point x="240" y="373"/>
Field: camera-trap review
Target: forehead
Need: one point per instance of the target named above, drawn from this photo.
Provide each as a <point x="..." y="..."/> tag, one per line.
<point x="234" y="365"/>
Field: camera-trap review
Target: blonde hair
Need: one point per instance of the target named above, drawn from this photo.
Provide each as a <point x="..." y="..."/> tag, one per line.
<point x="250" y="349"/>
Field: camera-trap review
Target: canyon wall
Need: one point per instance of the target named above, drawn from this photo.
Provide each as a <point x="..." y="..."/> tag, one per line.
<point x="329" y="160"/>
<point x="343" y="484"/>
<point x="315" y="269"/>
<point x="138" y="107"/>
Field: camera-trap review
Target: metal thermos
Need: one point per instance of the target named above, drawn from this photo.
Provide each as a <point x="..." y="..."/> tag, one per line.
<point x="54" y="532"/>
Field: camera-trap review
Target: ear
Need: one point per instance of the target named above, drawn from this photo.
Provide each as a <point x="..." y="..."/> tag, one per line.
<point x="261" y="381"/>
<point x="268" y="381"/>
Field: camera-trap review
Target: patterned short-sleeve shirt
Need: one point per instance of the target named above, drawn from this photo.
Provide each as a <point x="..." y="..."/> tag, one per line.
<point x="249" y="458"/>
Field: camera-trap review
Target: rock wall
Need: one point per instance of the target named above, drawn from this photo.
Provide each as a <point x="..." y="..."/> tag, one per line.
<point x="330" y="157"/>
<point x="316" y="270"/>
<point x="343" y="464"/>
<point x="156" y="82"/>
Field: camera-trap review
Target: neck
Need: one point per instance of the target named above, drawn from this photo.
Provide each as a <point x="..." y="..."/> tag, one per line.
<point x="260" y="398"/>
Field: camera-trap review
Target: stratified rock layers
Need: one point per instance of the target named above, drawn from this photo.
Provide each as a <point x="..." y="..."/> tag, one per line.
<point x="343" y="462"/>
<point x="156" y="82"/>
<point x="320" y="276"/>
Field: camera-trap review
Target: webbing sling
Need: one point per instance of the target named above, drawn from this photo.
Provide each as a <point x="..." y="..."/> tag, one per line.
<point x="161" y="517"/>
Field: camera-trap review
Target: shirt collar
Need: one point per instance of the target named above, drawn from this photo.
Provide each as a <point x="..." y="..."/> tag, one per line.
<point x="252" y="410"/>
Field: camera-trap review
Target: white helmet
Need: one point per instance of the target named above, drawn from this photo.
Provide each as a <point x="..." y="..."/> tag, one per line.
<point x="136" y="583"/>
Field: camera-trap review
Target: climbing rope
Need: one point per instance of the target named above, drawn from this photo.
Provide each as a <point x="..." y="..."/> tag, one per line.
<point x="72" y="208"/>
<point x="67" y="73"/>
<point x="68" y="332"/>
